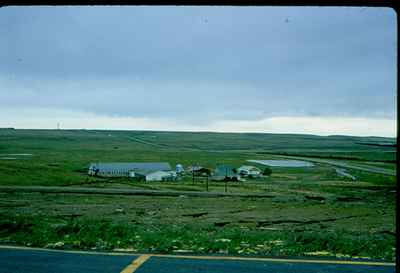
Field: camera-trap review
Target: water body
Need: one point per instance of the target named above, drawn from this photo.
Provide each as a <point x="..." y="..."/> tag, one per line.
<point x="283" y="163"/>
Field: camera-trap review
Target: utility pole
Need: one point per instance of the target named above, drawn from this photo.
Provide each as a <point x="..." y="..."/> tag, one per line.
<point x="226" y="180"/>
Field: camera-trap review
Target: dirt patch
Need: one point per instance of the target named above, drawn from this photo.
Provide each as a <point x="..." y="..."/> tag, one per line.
<point x="348" y="199"/>
<point x="388" y="232"/>
<point x="291" y="177"/>
<point x="195" y="215"/>
<point x="306" y="222"/>
<point x="221" y="224"/>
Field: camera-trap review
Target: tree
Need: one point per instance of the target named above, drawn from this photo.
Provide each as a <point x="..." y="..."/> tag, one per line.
<point x="267" y="171"/>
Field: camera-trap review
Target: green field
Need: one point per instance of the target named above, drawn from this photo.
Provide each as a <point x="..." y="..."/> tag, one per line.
<point x="60" y="157"/>
<point x="311" y="210"/>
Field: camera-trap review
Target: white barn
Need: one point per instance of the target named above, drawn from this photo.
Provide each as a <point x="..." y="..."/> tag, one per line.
<point x="161" y="176"/>
<point x="127" y="169"/>
<point x="246" y="170"/>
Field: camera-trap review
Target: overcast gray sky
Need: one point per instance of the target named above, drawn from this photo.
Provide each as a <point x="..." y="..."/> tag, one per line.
<point x="263" y="69"/>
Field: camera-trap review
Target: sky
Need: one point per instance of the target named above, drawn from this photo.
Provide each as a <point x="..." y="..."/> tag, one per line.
<point x="313" y="70"/>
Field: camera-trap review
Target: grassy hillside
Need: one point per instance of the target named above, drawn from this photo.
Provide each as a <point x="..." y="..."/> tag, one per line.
<point x="59" y="157"/>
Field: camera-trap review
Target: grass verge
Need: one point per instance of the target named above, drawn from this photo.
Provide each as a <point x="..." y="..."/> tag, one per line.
<point x="95" y="234"/>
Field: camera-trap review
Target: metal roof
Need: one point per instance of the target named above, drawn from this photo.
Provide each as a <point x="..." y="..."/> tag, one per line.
<point x="248" y="168"/>
<point x="131" y="166"/>
<point x="194" y="168"/>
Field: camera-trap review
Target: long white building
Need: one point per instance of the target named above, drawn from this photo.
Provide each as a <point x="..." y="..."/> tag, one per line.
<point x="132" y="169"/>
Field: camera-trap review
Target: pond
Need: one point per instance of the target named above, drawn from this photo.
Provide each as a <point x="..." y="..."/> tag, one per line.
<point x="283" y="163"/>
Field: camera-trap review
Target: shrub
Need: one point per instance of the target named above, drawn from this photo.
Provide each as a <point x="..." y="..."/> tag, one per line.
<point x="267" y="171"/>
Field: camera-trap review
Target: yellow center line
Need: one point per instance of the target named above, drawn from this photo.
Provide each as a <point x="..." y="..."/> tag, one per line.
<point x="136" y="263"/>
<point x="274" y="260"/>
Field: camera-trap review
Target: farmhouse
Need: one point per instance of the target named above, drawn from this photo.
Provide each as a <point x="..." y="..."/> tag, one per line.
<point x="140" y="170"/>
<point x="250" y="171"/>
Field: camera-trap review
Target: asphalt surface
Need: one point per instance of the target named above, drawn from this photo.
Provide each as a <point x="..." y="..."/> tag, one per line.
<point x="371" y="169"/>
<point x="161" y="264"/>
<point x="13" y="260"/>
<point x="39" y="261"/>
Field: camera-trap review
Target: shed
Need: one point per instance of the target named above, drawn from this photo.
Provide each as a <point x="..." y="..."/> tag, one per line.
<point x="247" y="170"/>
<point x="161" y="176"/>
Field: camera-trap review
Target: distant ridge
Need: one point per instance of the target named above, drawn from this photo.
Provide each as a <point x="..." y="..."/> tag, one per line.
<point x="371" y="138"/>
<point x="381" y="144"/>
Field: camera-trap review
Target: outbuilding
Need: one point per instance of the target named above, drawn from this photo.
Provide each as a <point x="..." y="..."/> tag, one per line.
<point x="194" y="168"/>
<point x="249" y="171"/>
<point x="161" y="176"/>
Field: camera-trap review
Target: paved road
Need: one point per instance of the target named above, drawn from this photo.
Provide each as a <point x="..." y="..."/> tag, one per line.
<point x="40" y="261"/>
<point x="22" y="260"/>
<point x="371" y="169"/>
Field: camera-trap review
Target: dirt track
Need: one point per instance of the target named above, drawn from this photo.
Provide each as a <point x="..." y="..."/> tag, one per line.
<point x="87" y="190"/>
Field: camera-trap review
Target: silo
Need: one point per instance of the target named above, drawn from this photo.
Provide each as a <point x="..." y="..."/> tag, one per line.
<point x="179" y="168"/>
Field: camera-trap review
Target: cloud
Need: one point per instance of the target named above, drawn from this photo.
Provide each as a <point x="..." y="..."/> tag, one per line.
<point x="200" y="64"/>
<point x="197" y="101"/>
<point x="48" y="118"/>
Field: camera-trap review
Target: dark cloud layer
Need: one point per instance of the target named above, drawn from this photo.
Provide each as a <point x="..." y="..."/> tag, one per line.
<point x="200" y="63"/>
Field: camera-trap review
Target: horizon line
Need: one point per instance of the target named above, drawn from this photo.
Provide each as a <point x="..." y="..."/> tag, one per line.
<point x="191" y="131"/>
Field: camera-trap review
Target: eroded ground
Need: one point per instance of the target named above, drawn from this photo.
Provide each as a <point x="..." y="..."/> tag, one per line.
<point x="338" y="218"/>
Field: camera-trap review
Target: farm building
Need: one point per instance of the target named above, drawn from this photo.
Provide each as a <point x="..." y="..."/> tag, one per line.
<point x="203" y="172"/>
<point x="134" y="170"/>
<point x="249" y="171"/>
<point x="179" y="168"/>
<point x="200" y="171"/>
<point x="194" y="168"/>
<point x="161" y="176"/>
<point x="223" y="172"/>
